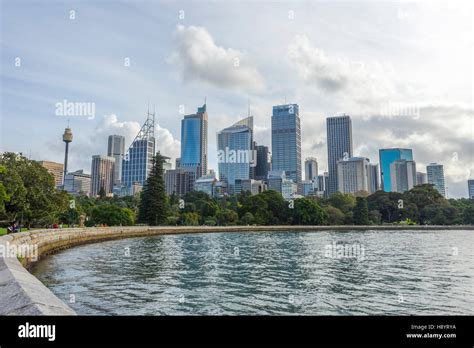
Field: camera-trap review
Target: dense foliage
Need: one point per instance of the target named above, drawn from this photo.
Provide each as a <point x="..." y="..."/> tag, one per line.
<point x="421" y="205"/>
<point x="28" y="195"/>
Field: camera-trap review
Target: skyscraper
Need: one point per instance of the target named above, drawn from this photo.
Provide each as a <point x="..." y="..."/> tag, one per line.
<point x="402" y="175"/>
<point x="138" y="160"/>
<point x="194" y="142"/>
<point x="339" y="143"/>
<point x="102" y="174"/>
<point x="421" y="178"/>
<point x="435" y="173"/>
<point x="374" y="184"/>
<point x="311" y="169"/>
<point x="386" y="158"/>
<point x="353" y="175"/>
<point x="178" y="181"/>
<point x="235" y="155"/>
<point x="321" y="182"/>
<point x="470" y="188"/>
<point x="77" y="182"/>
<point x="286" y="141"/>
<point x="206" y="184"/>
<point x="116" y="149"/>
<point x="56" y="170"/>
<point x="263" y="162"/>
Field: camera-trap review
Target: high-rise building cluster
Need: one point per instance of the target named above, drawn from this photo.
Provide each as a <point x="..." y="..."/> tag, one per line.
<point x="244" y="165"/>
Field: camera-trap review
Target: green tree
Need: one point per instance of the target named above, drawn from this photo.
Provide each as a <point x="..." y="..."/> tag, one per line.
<point x="33" y="196"/>
<point x="102" y="193"/>
<point x="70" y="216"/>
<point x="424" y="195"/>
<point x="361" y="211"/>
<point x="209" y="209"/>
<point x="153" y="208"/>
<point x="468" y="215"/>
<point x="375" y="217"/>
<point x="112" y="215"/>
<point x="189" y="219"/>
<point x="276" y="206"/>
<point x="247" y="219"/>
<point x="227" y="217"/>
<point x="335" y="216"/>
<point x="4" y="197"/>
<point x="389" y="204"/>
<point x="345" y="202"/>
<point x="308" y="212"/>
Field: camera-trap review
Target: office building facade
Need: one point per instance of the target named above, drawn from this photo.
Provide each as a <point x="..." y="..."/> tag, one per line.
<point x="236" y="156"/>
<point x="102" y="174"/>
<point x="435" y="174"/>
<point x="206" y="184"/>
<point x="421" y="178"/>
<point x="374" y="182"/>
<point x="138" y="160"/>
<point x="56" y="170"/>
<point x="470" y="188"/>
<point x="194" y="130"/>
<point x="353" y="175"/>
<point x="77" y="182"/>
<point x="286" y="141"/>
<point x="402" y="175"/>
<point x="339" y="144"/>
<point x="386" y="158"/>
<point x="116" y="149"/>
<point x="311" y="169"/>
<point x="263" y="162"/>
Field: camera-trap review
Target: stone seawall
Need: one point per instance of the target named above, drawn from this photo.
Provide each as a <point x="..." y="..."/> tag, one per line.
<point x="22" y="294"/>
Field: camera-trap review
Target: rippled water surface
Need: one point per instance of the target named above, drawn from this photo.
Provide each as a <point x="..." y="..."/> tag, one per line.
<point x="387" y="273"/>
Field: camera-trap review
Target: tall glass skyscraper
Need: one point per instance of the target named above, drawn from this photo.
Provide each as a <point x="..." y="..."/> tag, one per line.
<point x="339" y="144"/>
<point x="235" y="152"/>
<point x="373" y="178"/>
<point x="194" y="142"/>
<point x="435" y="173"/>
<point x="386" y="158"/>
<point x="310" y="169"/>
<point x="116" y="149"/>
<point x="138" y="160"/>
<point x="402" y="175"/>
<point x="263" y="162"/>
<point x="470" y="188"/>
<point x="286" y="141"/>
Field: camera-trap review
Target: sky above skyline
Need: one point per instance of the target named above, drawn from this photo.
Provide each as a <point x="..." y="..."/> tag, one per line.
<point x="402" y="71"/>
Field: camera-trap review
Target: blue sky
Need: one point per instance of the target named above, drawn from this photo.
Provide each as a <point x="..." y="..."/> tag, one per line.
<point x="376" y="61"/>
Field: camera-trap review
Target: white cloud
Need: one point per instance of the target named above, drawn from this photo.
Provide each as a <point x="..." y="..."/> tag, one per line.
<point x="110" y="124"/>
<point x="197" y="57"/>
<point x="166" y="143"/>
<point x="364" y="87"/>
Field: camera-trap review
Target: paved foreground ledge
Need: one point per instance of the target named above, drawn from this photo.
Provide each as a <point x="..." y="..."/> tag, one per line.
<point x="22" y="294"/>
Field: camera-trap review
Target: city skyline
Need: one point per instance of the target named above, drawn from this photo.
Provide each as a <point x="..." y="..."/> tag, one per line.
<point x="315" y="73"/>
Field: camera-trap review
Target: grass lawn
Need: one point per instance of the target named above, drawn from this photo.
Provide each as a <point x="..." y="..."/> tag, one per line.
<point x="3" y="231"/>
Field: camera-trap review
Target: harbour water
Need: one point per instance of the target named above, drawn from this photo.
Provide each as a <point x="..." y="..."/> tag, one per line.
<point x="269" y="273"/>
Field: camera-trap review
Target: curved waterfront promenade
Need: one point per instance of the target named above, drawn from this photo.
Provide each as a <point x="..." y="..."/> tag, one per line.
<point x="22" y="294"/>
